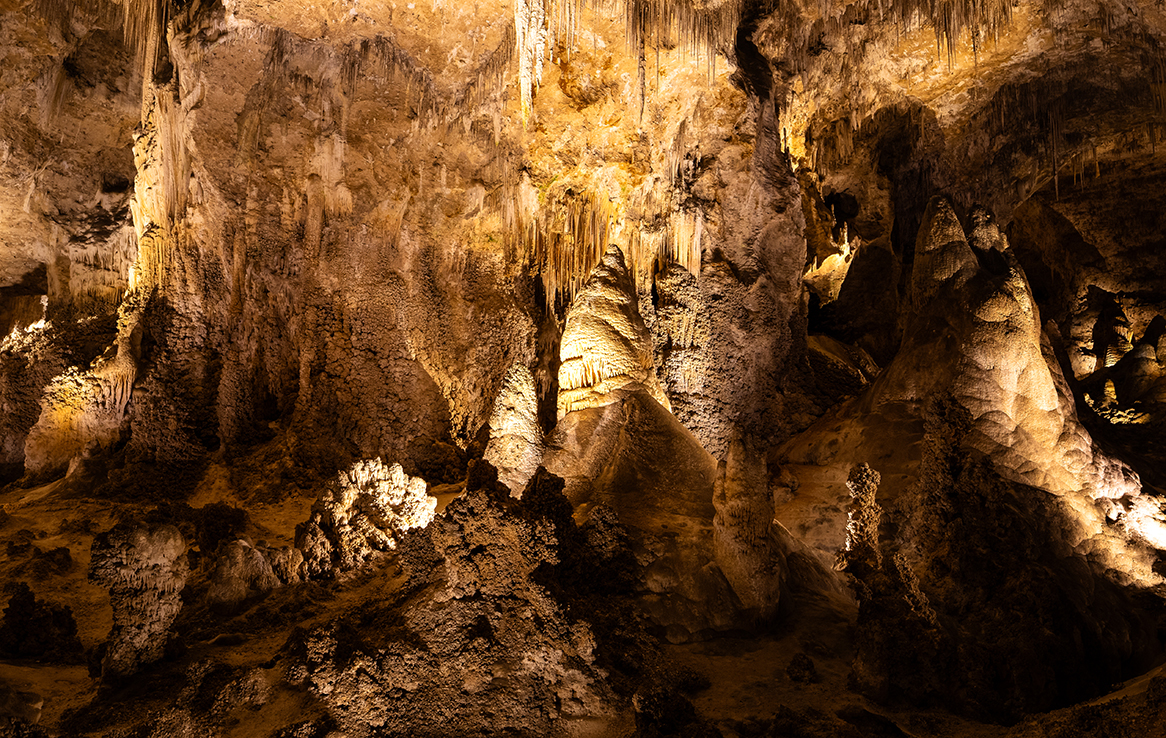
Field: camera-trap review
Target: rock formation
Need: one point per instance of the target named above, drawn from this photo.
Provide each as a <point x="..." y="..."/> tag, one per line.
<point x="923" y="636"/>
<point x="145" y="570"/>
<point x="481" y="642"/>
<point x="745" y="540"/>
<point x="605" y="345"/>
<point x="516" y="439"/>
<point x="862" y="554"/>
<point x="365" y="510"/>
<point x="241" y="571"/>
<point x="524" y="367"/>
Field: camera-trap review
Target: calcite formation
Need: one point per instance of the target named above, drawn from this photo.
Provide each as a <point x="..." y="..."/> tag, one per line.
<point x="516" y="439"/>
<point x="558" y="367"/>
<point x="145" y="570"/>
<point x="862" y="553"/>
<point x="605" y="345"/>
<point x="745" y="538"/>
<point x="241" y="571"/>
<point x="365" y="510"/>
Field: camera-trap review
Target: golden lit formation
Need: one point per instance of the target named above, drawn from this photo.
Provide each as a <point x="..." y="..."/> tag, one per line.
<point x="582" y="368"/>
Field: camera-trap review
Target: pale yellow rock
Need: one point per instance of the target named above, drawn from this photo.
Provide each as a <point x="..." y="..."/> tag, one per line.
<point x="606" y="345"/>
<point x="516" y="440"/>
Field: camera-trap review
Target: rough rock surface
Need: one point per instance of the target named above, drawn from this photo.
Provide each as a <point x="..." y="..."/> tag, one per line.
<point x="241" y="571"/>
<point x="516" y="441"/>
<point x="949" y="612"/>
<point x="745" y="538"/>
<point x="975" y="333"/>
<point x="660" y="486"/>
<point x="363" y="511"/>
<point x="145" y="570"/>
<point x="862" y="554"/>
<point x="481" y="647"/>
<point x="245" y="243"/>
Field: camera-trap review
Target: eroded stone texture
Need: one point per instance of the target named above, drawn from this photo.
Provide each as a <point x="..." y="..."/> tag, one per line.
<point x="364" y="510"/>
<point x="746" y="545"/>
<point x="949" y="609"/>
<point x="862" y="553"/>
<point x="83" y="410"/>
<point x="342" y="230"/>
<point x="516" y="439"/>
<point x="145" y="569"/>
<point x="975" y="332"/>
<point x="482" y="647"/>
<point x="241" y="571"/>
<point x="635" y="459"/>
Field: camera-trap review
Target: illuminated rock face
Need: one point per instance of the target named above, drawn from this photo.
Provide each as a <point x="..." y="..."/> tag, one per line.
<point x="364" y="511"/>
<point x="975" y="332"/>
<point x="516" y="440"/>
<point x="605" y="345"/>
<point x="607" y="249"/>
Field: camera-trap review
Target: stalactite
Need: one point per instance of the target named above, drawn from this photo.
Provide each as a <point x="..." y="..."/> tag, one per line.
<point x="60" y="14"/>
<point x="698" y="30"/>
<point x="566" y="241"/>
<point x="153" y="262"/>
<point x="489" y="78"/>
<point x="677" y="154"/>
<point x="683" y="245"/>
<point x="144" y="28"/>
<point x="530" y="29"/>
<point x="383" y="57"/>
<point x="641" y="81"/>
<point x="171" y="125"/>
<point x="50" y="92"/>
<point x="541" y="26"/>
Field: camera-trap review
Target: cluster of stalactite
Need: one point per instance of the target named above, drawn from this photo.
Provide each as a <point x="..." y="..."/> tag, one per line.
<point x="549" y="26"/>
<point x="566" y="241"/>
<point x="60" y="14"/>
<point x="563" y="238"/>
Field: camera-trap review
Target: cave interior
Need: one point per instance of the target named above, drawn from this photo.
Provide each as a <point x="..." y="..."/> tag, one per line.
<point x="583" y="368"/>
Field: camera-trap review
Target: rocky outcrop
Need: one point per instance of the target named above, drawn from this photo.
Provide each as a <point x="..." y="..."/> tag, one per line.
<point x="363" y="512"/>
<point x="745" y="537"/>
<point x="482" y="647"/>
<point x="242" y="571"/>
<point x="975" y="333"/>
<point x="951" y="608"/>
<point x="145" y="570"/>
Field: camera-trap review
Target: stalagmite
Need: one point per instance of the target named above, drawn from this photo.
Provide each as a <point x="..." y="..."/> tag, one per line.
<point x="516" y="440"/>
<point x="605" y="345"/>
<point x="512" y="367"/>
